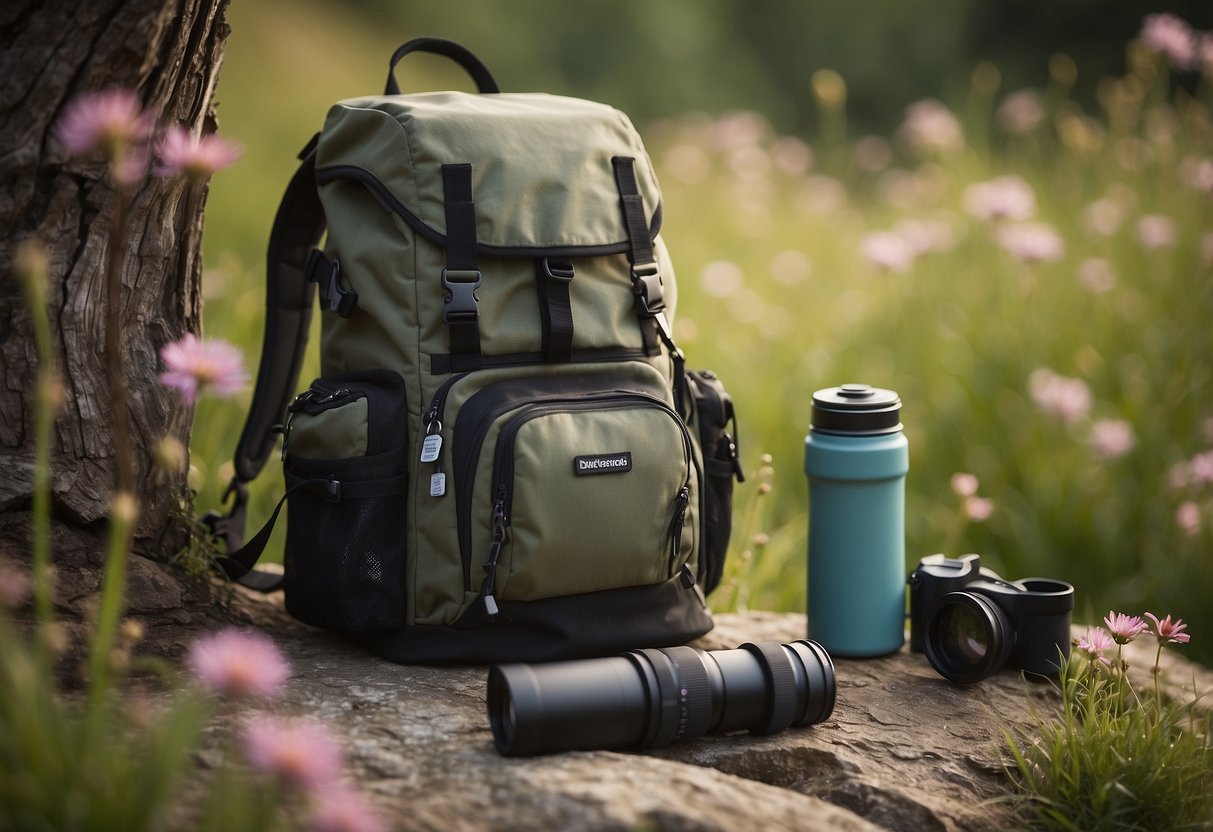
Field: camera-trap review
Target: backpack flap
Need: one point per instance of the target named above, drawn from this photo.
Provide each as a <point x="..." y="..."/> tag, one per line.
<point x="541" y="207"/>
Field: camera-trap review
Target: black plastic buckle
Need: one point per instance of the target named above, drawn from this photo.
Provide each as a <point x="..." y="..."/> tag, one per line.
<point x="333" y="297"/>
<point x="332" y="491"/>
<point x="646" y="283"/>
<point x="461" y="298"/>
<point x="561" y="270"/>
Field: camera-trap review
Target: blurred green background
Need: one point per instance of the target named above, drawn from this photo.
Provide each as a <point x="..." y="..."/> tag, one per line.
<point x="779" y="182"/>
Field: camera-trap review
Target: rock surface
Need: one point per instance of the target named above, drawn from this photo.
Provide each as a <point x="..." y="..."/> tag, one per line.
<point x="904" y="749"/>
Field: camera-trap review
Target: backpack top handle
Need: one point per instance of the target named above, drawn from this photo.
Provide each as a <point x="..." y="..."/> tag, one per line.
<point x="485" y="82"/>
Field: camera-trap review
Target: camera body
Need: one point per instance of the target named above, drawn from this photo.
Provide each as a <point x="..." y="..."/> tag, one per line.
<point x="971" y="622"/>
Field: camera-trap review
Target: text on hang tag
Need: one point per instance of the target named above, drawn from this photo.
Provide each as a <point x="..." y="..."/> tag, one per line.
<point x="437" y="485"/>
<point x="430" y="447"/>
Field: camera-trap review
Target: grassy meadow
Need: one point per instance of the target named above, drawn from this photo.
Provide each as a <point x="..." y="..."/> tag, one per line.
<point x="1051" y="333"/>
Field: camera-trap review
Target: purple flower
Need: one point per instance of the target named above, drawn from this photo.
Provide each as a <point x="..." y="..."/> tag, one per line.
<point x="1124" y="628"/>
<point x="15" y="585"/>
<point x="1168" y="35"/>
<point x="195" y="157"/>
<point x="1187" y="517"/>
<point x="1168" y="631"/>
<point x="1020" y="112"/>
<point x="194" y="365"/>
<point x="239" y="664"/>
<point x="1156" y="231"/>
<point x="110" y="119"/>
<point x="964" y="485"/>
<point x="978" y="509"/>
<point x="1032" y="242"/>
<point x="888" y="250"/>
<point x="1095" y="642"/>
<point x="1004" y="198"/>
<point x="297" y="753"/>
<point x="341" y="809"/>
<point x="1067" y="398"/>
<point x="1112" y="438"/>
<point x="930" y="127"/>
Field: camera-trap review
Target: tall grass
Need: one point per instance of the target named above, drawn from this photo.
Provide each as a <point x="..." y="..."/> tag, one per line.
<point x="769" y="235"/>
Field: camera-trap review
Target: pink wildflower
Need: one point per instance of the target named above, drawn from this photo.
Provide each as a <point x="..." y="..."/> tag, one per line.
<point x="1168" y="35"/>
<point x="1067" y="398"/>
<point x="1003" y="198"/>
<point x="1103" y="217"/>
<point x="1112" y="438"/>
<point x="964" y="485"/>
<point x="15" y="585"/>
<point x="1169" y="631"/>
<point x="1020" y="112"/>
<point x="873" y="154"/>
<point x="1032" y="242"/>
<point x="1187" y="517"/>
<point x="1196" y="172"/>
<point x="887" y="250"/>
<point x="1200" y="468"/>
<point x="1095" y="642"/>
<point x="926" y="235"/>
<point x="111" y="120"/>
<point x="978" y="509"/>
<point x="195" y="157"/>
<point x="239" y="664"/>
<point x="1096" y="275"/>
<point x="930" y="127"/>
<point x="297" y="753"/>
<point x="1124" y="628"/>
<point x="792" y="155"/>
<point x="1204" y="49"/>
<point x="341" y="809"/>
<point x="194" y="365"/>
<point x="1156" y="231"/>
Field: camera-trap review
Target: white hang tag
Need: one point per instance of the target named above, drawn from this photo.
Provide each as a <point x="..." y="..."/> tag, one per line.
<point x="437" y="485"/>
<point x="430" y="447"/>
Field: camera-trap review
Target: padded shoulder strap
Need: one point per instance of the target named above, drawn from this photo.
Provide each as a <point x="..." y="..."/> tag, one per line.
<point x="289" y="296"/>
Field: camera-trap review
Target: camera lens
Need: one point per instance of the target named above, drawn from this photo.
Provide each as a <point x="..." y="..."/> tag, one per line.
<point x="968" y="637"/>
<point x="651" y="698"/>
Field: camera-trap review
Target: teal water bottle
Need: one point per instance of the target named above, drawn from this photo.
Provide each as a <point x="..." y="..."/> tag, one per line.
<point x="856" y="458"/>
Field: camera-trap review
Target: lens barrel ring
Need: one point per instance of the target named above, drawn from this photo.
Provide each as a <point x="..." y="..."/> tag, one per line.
<point x="695" y="692"/>
<point x="781" y="678"/>
<point x="952" y="660"/>
<point x="667" y="706"/>
<point x="821" y="683"/>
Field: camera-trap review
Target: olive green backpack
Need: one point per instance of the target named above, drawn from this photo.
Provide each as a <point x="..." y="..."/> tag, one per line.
<point x="504" y="457"/>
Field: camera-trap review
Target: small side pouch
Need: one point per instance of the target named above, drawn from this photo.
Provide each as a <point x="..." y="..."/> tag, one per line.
<point x="711" y="415"/>
<point x="346" y="479"/>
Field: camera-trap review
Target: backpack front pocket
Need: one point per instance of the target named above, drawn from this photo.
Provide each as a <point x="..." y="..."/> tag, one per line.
<point x="346" y="484"/>
<point x="566" y="494"/>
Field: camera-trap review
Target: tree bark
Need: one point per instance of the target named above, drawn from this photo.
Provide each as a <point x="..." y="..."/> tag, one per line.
<point x="170" y="52"/>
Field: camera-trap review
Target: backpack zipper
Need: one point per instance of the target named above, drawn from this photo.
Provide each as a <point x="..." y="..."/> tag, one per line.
<point x="431" y="442"/>
<point x="313" y="403"/>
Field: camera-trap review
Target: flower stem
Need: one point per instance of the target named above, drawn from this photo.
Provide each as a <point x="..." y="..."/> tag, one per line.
<point x="122" y="517"/>
<point x="32" y="265"/>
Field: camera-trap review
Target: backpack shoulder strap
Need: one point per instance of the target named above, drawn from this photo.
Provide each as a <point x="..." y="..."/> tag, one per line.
<point x="289" y="294"/>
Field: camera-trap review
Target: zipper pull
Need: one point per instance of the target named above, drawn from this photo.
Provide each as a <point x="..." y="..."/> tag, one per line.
<point x="500" y="535"/>
<point x="680" y="515"/>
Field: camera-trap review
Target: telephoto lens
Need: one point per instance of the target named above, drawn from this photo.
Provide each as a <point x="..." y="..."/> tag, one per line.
<point x="655" y="697"/>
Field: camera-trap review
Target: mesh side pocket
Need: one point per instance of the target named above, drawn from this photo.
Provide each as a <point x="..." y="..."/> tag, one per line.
<point x="345" y="559"/>
<point x="713" y="413"/>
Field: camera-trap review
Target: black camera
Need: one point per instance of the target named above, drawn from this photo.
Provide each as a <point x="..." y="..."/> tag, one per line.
<point x="971" y="622"/>
<point x="651" y="698"/>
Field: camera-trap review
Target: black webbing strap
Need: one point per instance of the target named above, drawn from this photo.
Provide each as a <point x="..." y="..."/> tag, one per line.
<point x="646" y="274"/>
<point x="238" y="564"/>
<point x="553" y="278"/>
<point x="289" y="295"/>
<point x="461" y="277"/>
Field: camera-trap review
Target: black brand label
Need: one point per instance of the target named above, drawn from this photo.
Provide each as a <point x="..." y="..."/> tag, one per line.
<point x="583" y="466"/>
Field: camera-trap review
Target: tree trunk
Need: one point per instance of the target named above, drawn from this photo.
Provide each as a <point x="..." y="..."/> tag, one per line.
<point x="169" y="51"/>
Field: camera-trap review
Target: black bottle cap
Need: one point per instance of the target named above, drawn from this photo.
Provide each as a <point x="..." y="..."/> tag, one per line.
<point x="856" y="410"/>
